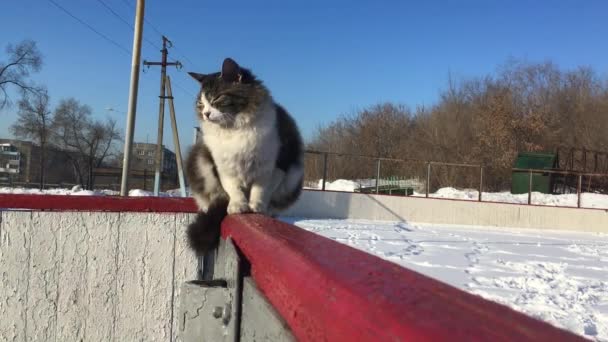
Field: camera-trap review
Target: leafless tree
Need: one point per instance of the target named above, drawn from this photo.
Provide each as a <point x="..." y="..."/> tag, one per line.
<point x="486" y="120"/>
<point x="34" y="122"/>
<point x="86" y="141"/>
<point x="23" y="59"/>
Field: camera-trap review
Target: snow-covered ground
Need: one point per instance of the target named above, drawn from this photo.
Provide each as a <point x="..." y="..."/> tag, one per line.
<point x="559" y="277"/>
<point x="588" y="200"/>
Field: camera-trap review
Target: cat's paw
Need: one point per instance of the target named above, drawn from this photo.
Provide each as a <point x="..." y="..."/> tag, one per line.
<point x="258" y="207"/>
<point x="238" y="207"/>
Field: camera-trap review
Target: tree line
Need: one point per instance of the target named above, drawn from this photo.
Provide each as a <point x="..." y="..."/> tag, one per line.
<point x="68" y="127"/>
<point x="486" y="120"/>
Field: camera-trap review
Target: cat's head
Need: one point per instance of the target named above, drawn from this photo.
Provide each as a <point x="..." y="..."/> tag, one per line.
<point x="229" y="98"/>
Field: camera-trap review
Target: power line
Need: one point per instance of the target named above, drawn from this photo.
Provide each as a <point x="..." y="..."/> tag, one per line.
<point x="157" y="30"/>
<point x="128" y="3"/>
<point x="91" y="28"/>
<point x="185" y="57"/>
<point x="126" y="22"/>
<point x="182" y="88"/>
<point x="113" y="42"/>
<point x="177" y="85"/>
<point x="145" y="20"/>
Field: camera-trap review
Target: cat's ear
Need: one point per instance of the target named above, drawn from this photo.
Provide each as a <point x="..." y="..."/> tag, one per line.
<point x="231" y="71"/>
<point x="196" y="76"/>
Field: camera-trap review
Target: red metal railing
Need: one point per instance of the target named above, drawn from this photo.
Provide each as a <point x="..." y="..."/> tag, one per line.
<point x="327" y="291"/>
<point x="97" y="203"/>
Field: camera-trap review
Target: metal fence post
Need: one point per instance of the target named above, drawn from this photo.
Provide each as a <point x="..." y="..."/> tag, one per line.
<point x="324" y="170"/>
<point x="480" y="182"/>
<point x="145" y="179"/>
<point x="579" y="190"/>
<point x="428" y="178"/>
<point x="377" y="176"/>
<point x="530" y="187"/>
<point x="197" y="132"/>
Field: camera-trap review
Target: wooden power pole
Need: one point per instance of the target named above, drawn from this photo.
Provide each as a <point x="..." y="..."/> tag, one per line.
<point x="161" y="109"/>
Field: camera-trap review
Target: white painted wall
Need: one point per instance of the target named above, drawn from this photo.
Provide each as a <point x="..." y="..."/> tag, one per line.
<point x="328" y="204"/>
<point x="83" y="276"/>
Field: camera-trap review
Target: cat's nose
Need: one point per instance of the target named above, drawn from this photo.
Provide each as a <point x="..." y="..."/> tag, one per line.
<point x="206" y="114"/>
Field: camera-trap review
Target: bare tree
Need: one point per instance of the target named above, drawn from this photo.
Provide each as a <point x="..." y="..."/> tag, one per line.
<point x="487" y="120"/>
<point x="23" y="59"/>
<point x="34" y="121"/>
<point x="87" y="142"/>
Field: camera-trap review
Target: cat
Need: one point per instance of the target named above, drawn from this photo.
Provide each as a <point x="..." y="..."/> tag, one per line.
<point x="250" y="155"/>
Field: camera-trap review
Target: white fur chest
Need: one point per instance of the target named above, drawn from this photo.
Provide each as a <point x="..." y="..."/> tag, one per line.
<point x="243" y="153"/>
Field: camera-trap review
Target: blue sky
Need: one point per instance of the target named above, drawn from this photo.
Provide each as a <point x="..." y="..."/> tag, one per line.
<point x="320" y="58"/>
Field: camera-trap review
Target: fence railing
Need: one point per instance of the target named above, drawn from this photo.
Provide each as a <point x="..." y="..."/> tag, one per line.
<point x="430" y="174"/>
<point x="428" y="166"/>
<point x="384" y="175"/>
<point x="579" y="180"/>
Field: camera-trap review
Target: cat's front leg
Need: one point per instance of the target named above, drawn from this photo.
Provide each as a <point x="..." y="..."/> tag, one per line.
<point x="238" y="202"/>
<point x="263" y="188"/>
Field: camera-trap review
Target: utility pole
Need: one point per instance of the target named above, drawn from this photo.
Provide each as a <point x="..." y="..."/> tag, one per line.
<point x="132" y="108"/>
<point x="161" y="109"/>
<point x="178" y="150"/>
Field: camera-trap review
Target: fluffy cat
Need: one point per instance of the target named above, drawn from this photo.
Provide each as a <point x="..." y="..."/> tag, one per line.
<point x="250" y="155"/>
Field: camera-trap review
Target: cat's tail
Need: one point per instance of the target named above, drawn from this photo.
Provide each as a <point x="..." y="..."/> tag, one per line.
<point x="204" y="232"/>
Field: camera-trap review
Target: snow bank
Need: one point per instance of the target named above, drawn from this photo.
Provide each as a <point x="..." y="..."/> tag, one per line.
<point x="338" y="185"/>
<point x="588" y="200"/>
<point x="75" y="191"/>
<point x="78" y="191"/>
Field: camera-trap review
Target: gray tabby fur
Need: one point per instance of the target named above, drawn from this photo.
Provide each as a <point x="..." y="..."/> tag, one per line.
<point x="250" y="156"/>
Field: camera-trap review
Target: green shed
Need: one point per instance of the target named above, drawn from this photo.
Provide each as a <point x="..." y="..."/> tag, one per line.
<point x="533" y="160"/>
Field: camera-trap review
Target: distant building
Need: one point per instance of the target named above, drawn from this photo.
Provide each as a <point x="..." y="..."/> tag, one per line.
<point x="20" y="163"/>
<point x="20" y="166"/>
<point x="143" y="165"/>
<point x="10" y="161"/>
<point x="144" y="158"/>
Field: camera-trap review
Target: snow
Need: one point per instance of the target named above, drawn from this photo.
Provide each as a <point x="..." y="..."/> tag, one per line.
<point x="588" y="200"/>
<point x="340" y="185"/>
<point x="75" y="191"/>
<point x="78" y="191"/>
<point x="559" y="277"/>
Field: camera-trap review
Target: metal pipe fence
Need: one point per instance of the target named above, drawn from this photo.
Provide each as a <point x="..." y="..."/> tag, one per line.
<point x="579" y="176"/>
<point x="381" y="175"/>
<point x="422" y="176"/>
<point x="406" y="177"/>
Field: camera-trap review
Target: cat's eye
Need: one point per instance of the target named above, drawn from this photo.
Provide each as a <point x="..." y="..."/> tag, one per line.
<point x="220" y="98"/>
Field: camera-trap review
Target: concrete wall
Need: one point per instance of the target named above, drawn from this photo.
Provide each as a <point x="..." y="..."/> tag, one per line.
<point x="82" y="276"/>
<point x="328" y="204"/>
